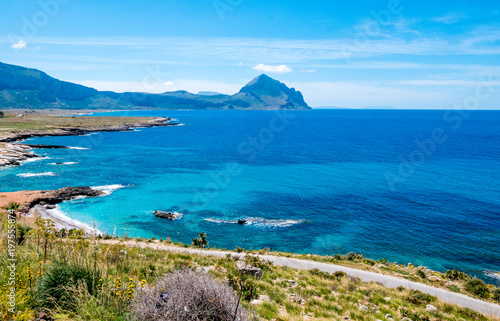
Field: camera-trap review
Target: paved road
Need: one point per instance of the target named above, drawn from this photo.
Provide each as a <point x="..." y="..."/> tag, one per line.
<point x="486" y="308"/>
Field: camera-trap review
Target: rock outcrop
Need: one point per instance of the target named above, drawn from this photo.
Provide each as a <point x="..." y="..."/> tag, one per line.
<point x="13" y="154"/>
<point x="244" y="268"/>
<point x="63" y="194"/>
<point x="172" y="216"/>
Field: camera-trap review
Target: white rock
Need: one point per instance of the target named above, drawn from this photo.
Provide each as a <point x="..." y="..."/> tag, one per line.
<point x="256" y="302"/>
<point x="430" y="307"/>
<point x="202" y="269"/>
<point x="264" y="297"/>
<point x="363" y="308"/>
<point x="388" y="299"/>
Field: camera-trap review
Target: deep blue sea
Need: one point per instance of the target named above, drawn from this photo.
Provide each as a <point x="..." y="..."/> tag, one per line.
<point x="407" y="186"/>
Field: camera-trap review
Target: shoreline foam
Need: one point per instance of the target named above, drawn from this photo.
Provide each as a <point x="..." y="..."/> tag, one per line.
<point x="61" y="220"/>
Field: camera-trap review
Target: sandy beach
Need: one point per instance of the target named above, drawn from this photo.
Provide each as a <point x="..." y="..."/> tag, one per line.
<point x="33" y="204"/>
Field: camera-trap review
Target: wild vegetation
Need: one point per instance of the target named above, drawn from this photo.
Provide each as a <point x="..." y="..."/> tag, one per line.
<point x="64" y="275"/>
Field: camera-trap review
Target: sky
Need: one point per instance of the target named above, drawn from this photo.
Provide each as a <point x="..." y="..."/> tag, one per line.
<point x="404" y="54"/>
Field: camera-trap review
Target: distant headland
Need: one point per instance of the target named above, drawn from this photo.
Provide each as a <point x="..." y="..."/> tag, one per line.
<point x="22" y="87"/>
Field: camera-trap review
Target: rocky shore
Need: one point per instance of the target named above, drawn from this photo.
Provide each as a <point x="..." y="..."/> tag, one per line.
<point x="42" y="204"/>
<point x="12" y="153"/>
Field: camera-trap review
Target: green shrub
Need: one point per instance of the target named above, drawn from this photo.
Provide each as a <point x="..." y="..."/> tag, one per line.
<point x="416" y="297"/>
<point x="421" y="274"/>
<point x="353" y="256"/>
<point x="477" y="287"/>
<point x="496" y="294"/>
<point x="200" y="241"/>
<point x="456" y="275"/>
<point x="244" y="286"/>
<point x="471" y="315"/>
<point x="22" y="233"/>
<point x="54" y="285"/>
<point x="454" y="288"/>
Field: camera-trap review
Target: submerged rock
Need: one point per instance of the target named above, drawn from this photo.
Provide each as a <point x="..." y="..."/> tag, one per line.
<point x="168" y="215"/>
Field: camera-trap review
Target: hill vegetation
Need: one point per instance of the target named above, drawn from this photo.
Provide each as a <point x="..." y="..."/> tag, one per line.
<point x="65" y="275"/>
<point x="33" y="89"/>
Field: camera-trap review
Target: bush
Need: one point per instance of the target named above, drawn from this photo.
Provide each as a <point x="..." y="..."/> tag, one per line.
<point x="22" y="233"/>
<point x="421" y="274"/>
<point x="244" y="286"/>
<point x="191" y="296"/>
<point x="454" y="288"/>
<point x="200" y="241"/>
<point x="353" y="256"/>
<point x="477" y="287"/>
<point x="416" y="297"/>
<point x="1" y="114"/>
<point x="53" y="289"/>
<point x="496" y="294"/>
<point x="457" y="275"/>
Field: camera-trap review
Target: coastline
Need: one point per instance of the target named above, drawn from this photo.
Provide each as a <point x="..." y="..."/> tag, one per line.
<point x="62" y="221"/>
<point x="13" y="153"/>
<point x="44" y="204"/>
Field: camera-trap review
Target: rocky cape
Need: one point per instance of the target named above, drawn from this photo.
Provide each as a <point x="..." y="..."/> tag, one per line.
<point x="12" y="153"/>
<point x="22" y="87"/>
<point x="58" y="196"/>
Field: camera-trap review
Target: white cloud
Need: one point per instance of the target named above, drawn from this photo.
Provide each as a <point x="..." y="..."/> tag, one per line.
<point x="169" y="83"/>
<point x="309" y="70"/>
<point x="450" y="18"/>
<point x="281" y="69"/>
<point x="20" y="45"/>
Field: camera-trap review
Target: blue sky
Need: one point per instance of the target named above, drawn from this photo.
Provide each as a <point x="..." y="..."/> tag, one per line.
<point x="401" y="54"/>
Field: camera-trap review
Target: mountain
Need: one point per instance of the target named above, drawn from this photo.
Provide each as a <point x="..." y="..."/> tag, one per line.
<point x="209" y="93"/>
<point x="30" y="88"/>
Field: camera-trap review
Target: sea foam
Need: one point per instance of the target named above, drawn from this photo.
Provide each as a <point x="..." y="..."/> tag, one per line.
<point x="108" y="189"/>
<point x="259" y="221"/>
<point x="36" y="174"/>
<point x="78" y="148"/>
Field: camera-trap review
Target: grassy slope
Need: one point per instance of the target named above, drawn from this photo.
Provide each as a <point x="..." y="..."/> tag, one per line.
<point x="122" y="268"/>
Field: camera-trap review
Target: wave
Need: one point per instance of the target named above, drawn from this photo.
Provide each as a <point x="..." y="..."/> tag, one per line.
<point x="36" y="174"/>
<point x="79" y="148"/>
<point x="65" y="163"/>
<point x="493" y="275"/>
<point x="34" y="159"/>
<point x="259" y="221"/>
<point x="108" y="189"/>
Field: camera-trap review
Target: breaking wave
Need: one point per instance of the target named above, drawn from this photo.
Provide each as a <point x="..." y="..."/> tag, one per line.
<point x="258" y="221"/>
<point x="79" y="148"/>
<point x="108" y="189"/>
<point x="36" y="174"/>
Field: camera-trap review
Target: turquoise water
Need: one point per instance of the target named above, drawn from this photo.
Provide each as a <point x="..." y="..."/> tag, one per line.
<point x="321" y="181"/>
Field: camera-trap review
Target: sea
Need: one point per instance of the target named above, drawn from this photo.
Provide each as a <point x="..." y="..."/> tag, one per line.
<point x="419" y="186"/>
